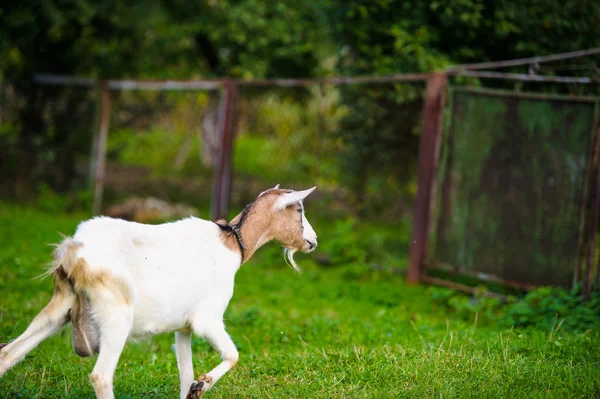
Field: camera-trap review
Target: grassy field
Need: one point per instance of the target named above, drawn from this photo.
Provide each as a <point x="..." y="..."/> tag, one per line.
<point x="338" y="332"/>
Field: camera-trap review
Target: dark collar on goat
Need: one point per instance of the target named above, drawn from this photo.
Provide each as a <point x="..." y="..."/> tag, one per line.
<point x="238" y="236"/>
<point x="233" y="229"/>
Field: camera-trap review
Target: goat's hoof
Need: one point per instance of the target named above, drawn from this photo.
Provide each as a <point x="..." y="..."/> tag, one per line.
<point x="195" y="390"/>
<point x="198" y="388"/>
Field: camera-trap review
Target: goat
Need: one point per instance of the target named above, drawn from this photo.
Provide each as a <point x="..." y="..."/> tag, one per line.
<point x="116" y="280"/>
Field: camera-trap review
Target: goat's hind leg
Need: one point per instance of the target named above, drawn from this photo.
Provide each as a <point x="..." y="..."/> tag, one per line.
<point x="50" y="320"/>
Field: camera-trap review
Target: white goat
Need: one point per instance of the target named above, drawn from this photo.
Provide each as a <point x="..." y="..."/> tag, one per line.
<point x="116" y="280"/>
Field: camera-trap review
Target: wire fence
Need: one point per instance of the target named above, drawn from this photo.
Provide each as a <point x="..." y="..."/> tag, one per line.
<point x="516" y="199"/>
<point x="514" y="176"/>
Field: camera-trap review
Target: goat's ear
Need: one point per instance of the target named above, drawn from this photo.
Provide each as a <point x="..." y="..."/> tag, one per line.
<point x="293" y="197"/>
<point x="266" y="191"/>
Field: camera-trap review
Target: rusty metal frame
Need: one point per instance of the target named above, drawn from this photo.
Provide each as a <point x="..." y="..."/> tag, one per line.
<point x="464" y="288"/>
<point x="524" y="95"/>
<point x="526" y="61"/>
<point x="595" y="213"/>
<point x="458" y="270"/>
<point x="214" y="84"/>
<point x="528" y="78"/>
<point x="593" y="228"/>
<point x="426" y="176"/>
<point x="588" y="205"/>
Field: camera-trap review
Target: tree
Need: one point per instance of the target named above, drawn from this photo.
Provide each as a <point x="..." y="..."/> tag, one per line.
<point x="257" y="39"/>
<point x="379" y="37"/>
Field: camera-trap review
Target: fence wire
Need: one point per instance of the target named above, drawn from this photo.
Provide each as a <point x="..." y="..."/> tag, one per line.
<point x="514" y="175"/>
<point x="50" y="115"/>
<point x="514" y="169"/>
<point x="357" y="144"/>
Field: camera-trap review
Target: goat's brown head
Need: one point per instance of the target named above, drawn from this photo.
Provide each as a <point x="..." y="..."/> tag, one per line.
<point x="281" y="218"/>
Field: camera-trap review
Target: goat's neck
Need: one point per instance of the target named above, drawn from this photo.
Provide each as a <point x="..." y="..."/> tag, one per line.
<point x="255" y="232"/>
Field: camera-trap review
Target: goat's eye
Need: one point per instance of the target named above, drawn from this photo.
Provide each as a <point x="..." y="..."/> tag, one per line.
<point x="299" y="210"/>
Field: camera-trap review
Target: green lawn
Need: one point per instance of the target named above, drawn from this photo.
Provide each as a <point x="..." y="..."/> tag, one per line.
<point x="338" y="332"/>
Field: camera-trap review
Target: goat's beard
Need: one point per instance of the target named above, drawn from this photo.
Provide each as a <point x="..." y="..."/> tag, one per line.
<point x="288" y="255"/>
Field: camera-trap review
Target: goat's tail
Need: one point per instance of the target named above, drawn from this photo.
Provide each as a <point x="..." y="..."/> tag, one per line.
<point x="65" y="258"/>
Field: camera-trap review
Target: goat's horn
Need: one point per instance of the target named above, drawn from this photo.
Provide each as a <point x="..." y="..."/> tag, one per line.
<point x="293" y="197"/>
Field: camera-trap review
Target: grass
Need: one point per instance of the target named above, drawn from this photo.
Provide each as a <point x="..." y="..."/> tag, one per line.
<point x="338" y="332"/>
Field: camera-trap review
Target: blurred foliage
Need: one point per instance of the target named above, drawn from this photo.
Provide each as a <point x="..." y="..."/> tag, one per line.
<point x="50" y="201"/>
<point x="546" y="307"/>
<point x="378" y="37"/>
<point x="256" y="39"/>
<point x="386" y="36"/>
<point x="180" y="39"/>
<point x="372" y="244"/>
<point x="160" y="131"/>
<point x="543" y="308"/>
<point x="380" y="135"/>
<point x="287" y="136"/>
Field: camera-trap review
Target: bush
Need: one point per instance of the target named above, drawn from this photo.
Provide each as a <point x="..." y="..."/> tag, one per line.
<point x="345" y="245"/>
<point x="466" y="306"/>
<point x="50" y="201"/>
<point x="544" y="308"/>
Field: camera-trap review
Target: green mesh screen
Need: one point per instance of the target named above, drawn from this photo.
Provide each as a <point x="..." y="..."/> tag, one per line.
<point x="512" y="183"/>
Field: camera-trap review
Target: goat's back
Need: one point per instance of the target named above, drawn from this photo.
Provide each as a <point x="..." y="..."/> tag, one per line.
<point x="167" y="272"/>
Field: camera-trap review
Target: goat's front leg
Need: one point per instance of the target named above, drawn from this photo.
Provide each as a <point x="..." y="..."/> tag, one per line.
<point x="221" y="342"/>
<point x="183" y="350"/>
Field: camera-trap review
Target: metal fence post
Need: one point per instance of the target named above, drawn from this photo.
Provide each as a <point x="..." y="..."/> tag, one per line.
<point x="100" y="150"/>
<point x="433" y="112"/>
<point x="224" y="166"/>
<point x="587" y="277"/>
<point x="595" y="215"/>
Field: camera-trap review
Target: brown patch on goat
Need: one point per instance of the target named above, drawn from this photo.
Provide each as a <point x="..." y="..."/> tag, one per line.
<point x="85" y="279"/>
<point x="228" y="239"/>
<point x="62" y="288"/>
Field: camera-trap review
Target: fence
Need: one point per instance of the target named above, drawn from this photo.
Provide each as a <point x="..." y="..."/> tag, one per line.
<point x="319" y="157"/>
<point x="514" y="174"/>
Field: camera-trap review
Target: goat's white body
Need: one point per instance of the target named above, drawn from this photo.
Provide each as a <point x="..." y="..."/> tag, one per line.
<point x="176" y="276"/>
<point x="179" y="274"/>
